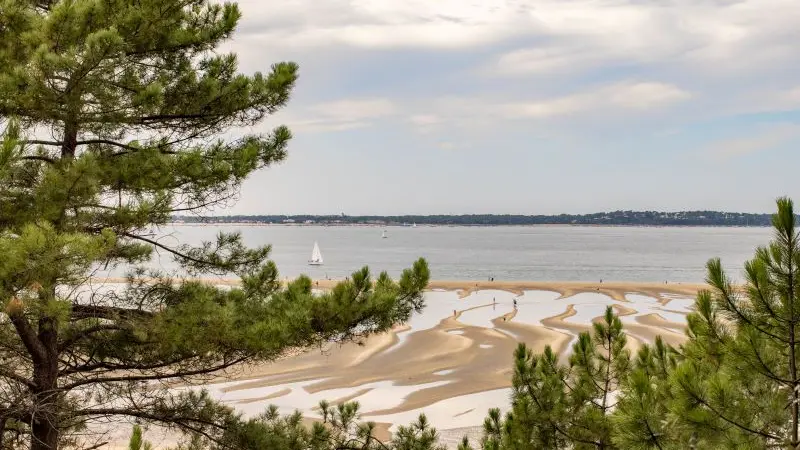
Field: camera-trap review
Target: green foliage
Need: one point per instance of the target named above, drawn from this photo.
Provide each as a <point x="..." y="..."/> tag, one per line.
<point x="556" y="406"/>
<point x="417" y="436"/>
<point x="119" y="114"/>
<point x="641" y="418"/>
<point x="137" y="442"/>
<point x="738" y="386"/>
<point x="339" y="429"/>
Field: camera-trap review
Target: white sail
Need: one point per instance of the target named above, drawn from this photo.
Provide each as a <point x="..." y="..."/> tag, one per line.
<point x="316" y="256"/>
<point x="384" y="234"/>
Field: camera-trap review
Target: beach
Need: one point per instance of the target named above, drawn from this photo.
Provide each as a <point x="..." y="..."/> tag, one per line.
<point x="453" y="361"/>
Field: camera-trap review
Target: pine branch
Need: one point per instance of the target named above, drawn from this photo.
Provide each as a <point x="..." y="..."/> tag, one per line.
<point x="168" y="249"/>
<point x="203" y="205"/>
<point x="9" y="374"/>
<point x="67" y="343"/>
<point x="40" y="142"/>
<point x="724" y="291"/>
<point x="38" y="158"/>
<point x="128" y="148"/>
<point x="154" y="377"/>
<point x="180" y="421"/>
<point x="115" y="367"/>
<point x="15" y="414"/>
<point x="28" y="336"/>
<point x="722" y="416"/>
<point x="81" y="312"/>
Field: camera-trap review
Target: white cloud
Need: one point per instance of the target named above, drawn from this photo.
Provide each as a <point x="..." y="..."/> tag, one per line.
<point x="718" y="36"/>
<point x="530" y="61"/>
<point x="765" y="139"/>
<point x="627" y="96"/>
<point x="355" y="109"/>
<point x="645" y="95"/>
<point x="760" y="99"/>
<point x="691" y="46"/>
<point x="340" y="115"/>
<point x="426" y="123"/>
<point x="424" y="120"/>
<point x="388" y="23"/>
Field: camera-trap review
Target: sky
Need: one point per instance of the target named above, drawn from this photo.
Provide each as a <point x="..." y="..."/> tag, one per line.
<point x="528" y="106"/>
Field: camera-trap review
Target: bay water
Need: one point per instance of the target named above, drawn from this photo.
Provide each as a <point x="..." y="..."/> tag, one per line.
<point x="536" y="253"/>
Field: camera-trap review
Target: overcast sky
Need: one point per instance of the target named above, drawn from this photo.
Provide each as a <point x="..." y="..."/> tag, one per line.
<point x="529" y="106"/>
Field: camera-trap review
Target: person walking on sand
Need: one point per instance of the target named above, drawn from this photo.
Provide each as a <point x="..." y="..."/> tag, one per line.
<point x="515" y="303"/>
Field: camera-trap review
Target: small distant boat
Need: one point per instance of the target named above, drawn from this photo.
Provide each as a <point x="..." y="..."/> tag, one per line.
<point x="414" y="225"/>
<point x="384" y="236"/>
<point x="316" y="256"/>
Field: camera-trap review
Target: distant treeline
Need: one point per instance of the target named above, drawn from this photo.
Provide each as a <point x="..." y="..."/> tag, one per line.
<point x="629" y="218"/>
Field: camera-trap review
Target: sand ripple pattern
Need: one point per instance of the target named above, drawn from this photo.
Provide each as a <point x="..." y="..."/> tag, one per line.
<point x="453" y="361"/>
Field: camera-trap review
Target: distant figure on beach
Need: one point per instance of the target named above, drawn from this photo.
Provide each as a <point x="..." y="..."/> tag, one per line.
<point x="515" y="303"/>
<point x="317" y="283"/>
<point x="601" y="281"/>
<point x="494" y="300"/>
<point x="454" y="313"/>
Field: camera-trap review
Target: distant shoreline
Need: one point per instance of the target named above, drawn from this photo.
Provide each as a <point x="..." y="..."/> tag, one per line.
<point x="613" y="218"/>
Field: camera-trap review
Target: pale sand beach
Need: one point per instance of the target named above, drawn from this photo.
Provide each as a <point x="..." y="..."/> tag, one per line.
<point x="453" y="367"/>
<point x="566" y="288"/>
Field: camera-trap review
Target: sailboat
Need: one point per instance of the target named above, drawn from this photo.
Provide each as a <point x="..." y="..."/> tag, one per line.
<point x="384" y="236"/>
<point x="316" y="256"/>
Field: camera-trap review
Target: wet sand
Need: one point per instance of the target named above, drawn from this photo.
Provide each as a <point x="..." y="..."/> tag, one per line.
<point x="415" y="366"/>
<point x="481" y="356"/>
<point x="615" y="289"/>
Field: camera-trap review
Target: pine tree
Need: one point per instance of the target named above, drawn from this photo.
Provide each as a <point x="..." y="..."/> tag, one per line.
<point x="738" y="385"/>
<point x="339" y="429"/>
<point x="119" y="114"/>
<point x="559" y="407"/>
<point x="641" y="418"/>
<point x="137" y="441"/>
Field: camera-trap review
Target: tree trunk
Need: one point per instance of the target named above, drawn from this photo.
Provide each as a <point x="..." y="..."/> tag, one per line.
<point x="793" y="371"/>
<point x="793" y="341"/>
<point x="2" y="431"/>
<point x="70" y="140"/>
<point x="44" y="435"/>
<point x="44" y="430"/>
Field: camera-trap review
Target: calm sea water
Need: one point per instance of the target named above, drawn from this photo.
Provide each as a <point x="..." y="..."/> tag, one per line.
<point x="548" y="253"/>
